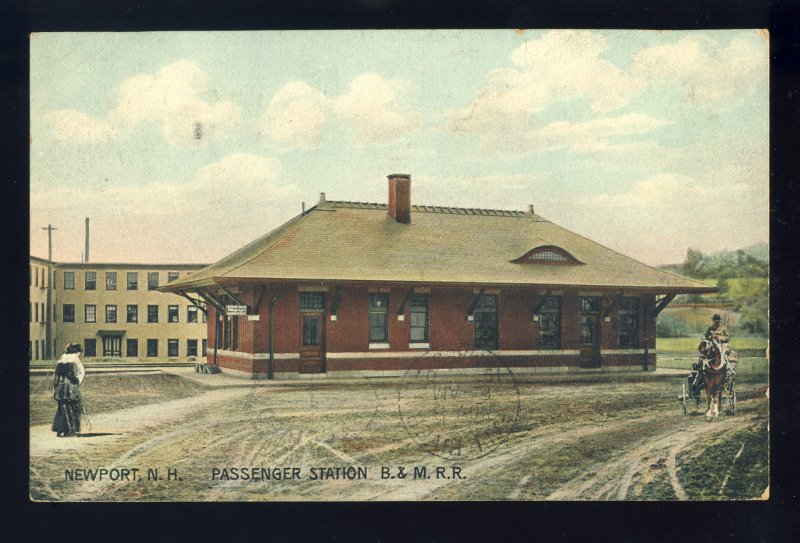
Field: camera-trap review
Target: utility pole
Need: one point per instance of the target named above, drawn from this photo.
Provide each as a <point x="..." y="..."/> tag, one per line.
<point x="48" y="326"/>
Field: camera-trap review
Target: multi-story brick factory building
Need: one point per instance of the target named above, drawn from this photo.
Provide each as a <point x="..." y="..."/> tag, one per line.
<point x="114" y="310"/>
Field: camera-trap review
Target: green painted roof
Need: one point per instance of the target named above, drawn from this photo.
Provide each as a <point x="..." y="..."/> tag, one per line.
<point x="359" y="242"/>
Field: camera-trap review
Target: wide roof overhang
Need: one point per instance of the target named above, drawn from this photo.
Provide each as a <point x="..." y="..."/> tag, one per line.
<point x="248" y="281"/>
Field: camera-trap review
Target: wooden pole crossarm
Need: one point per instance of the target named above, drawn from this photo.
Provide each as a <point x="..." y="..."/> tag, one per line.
<point x="260" y="298"/>
<point x="402" y="309"/>
<point x="197" y="303"/>
<point x="232" y="296"/>
<point x="614" y="304"/>
<point x="663" y="302"/>
<point x="335" y="307"/>
<point x="541" y="303"/>
<point x="471" y="310"/>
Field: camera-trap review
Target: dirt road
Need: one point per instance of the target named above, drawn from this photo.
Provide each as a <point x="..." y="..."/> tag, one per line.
<point x="517" y="441"/>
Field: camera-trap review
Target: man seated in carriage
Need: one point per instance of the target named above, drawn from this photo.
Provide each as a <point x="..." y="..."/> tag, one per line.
<point x="719" y="333"/>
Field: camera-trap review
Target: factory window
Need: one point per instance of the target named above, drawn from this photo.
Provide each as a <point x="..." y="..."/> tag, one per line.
<point x="55" y="313"/>
<point x="204" y="344"/>
<point x="111" y="313"/>
<point x="35" y="312"/>
<point x="36" y="273"/>
<point x="550" y="323"/>
<point x="89" y="313"/>
<point x="152" y="347"/>
<point x="133" y="281"/>
<point x="172" y="347"/>
<point x="191" y="347"/>
<point x="152" y="280"/>
<point x="68" y="312"/>
<point x="378" y="321"/>
<point x="132" y="313"/>
<point x="111" y="280"/>
<point x="191" y="313"/>
<point x="419" y="318"/>
<point x="152" y="313"/>
<point x="90" y="280"/>
<point x="172" y="313"/>
<point x="172" y="276"/>
<point x="132" y="347"/>
<point x="69" y="280"/>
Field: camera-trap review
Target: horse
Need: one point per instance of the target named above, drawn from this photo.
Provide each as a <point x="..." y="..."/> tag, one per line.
<point x="715" y="372"/>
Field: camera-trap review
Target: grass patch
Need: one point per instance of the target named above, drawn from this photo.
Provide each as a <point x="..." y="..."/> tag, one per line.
<point x="103" y="393"/>
<point x="689" y="344"/>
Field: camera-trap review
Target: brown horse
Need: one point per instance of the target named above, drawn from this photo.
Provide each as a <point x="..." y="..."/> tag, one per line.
<point x="715" y="373"/>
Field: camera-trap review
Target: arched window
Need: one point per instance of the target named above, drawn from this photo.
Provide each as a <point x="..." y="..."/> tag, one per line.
<point x="547" y="254"/>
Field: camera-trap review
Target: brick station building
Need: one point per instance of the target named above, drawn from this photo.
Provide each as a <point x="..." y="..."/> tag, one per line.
<point x="350" y="288"/>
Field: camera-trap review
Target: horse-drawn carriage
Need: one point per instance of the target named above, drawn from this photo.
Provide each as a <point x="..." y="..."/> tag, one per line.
<point x="714" y="371"/>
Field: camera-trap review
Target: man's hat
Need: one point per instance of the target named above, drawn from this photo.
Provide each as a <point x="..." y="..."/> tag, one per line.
<point x="716" y="317"/>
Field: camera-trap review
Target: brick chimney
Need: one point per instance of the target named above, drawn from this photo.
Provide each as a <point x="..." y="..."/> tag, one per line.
<point x="400" y="197"/>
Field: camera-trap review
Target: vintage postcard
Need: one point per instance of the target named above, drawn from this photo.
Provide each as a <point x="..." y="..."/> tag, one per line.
<point x="399" y="265"/>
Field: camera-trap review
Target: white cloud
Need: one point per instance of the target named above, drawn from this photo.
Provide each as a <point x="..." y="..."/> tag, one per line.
<point x="562" y="65"/>
<point x="376" y="109"/>
<point x="295" y="116"/>
<point x="171" y="98"/>
<point x="72" y="125"/>
<point x="705" y="72"/>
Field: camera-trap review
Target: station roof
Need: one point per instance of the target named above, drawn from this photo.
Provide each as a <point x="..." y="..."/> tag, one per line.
<point x="355" y="242"/>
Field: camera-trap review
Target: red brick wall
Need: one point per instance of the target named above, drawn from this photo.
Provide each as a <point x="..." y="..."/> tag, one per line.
<point x="448" y="328"/>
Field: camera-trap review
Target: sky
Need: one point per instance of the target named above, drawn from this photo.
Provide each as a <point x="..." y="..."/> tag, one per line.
<point x="181" y="147"/>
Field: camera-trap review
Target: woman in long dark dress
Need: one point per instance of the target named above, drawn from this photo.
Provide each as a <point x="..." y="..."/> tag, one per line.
<point x="67" y="392"/>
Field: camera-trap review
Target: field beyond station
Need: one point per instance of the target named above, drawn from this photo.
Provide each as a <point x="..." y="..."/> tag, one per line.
<point x="179" y="436"/>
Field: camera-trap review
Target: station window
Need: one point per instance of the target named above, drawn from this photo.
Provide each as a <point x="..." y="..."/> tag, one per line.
<point x="133" y="281"/>
<point x="152" y="347"/>
<point x="172" y="313"/>
<point x="132" y="312"/>
<point x="90" y="280"/>
<point x="312" y="301"/>
<point x="629" y="322"/>
<point x="90" y="313"/>
<point x="378" y="318"/>
<point x="69" y="280"/>
<point x="550" y="323"/>
<point x="111" y="280"/>
<point x="418" y="305"/>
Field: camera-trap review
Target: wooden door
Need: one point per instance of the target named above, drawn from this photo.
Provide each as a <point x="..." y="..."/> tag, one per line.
<point x="590" y="341"/>
<point x="312" y="343"/>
